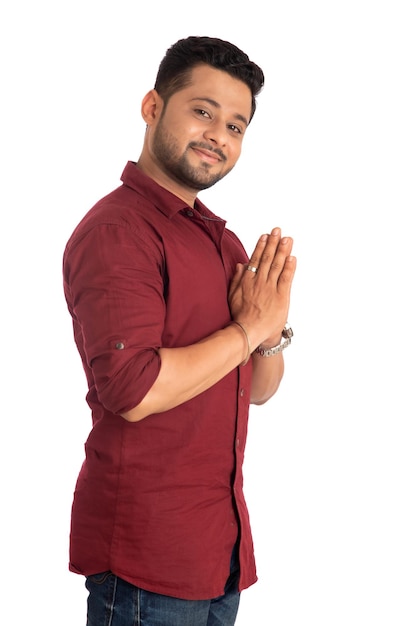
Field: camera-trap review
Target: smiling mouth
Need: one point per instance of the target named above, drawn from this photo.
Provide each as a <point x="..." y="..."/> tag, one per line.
<point x="208" y="155"/>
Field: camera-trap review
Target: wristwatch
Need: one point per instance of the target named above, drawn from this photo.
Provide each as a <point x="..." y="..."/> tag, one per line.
<point x="287" y="334"/>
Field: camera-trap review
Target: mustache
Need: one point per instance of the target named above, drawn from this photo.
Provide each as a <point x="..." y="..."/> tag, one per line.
<point x="205" y="146"/>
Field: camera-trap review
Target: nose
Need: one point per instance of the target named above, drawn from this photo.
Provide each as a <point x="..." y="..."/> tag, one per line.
<point x="216" y="133"/>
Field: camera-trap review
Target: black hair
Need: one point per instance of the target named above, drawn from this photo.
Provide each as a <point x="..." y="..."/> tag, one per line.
<point x="175" y="69"/>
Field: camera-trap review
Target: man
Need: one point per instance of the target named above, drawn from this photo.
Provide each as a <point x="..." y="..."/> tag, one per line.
<point x="173" y="323"/>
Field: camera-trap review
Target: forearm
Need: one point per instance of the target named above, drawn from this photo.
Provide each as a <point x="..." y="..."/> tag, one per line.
<point x="267" y="375"/>
<point x="187" y="372"/>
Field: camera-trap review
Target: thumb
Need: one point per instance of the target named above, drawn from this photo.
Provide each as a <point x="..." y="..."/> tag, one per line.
<point x="239" y="270"/>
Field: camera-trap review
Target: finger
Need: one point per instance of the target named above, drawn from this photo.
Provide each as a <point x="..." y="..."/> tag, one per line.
<point x="274" y="254"/>
<point x="283" y="251"/>
<point x="259" y="250"/>
<point x="287" y="274"/>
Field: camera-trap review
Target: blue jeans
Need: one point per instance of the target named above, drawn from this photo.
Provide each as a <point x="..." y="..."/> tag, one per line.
<point x="114" y="602"/>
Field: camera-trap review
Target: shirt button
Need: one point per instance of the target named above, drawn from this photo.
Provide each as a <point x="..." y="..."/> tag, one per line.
<point x="242" y="391"/>
<point x="189" y="212"/>
<point x="119" y="345"/>
<point x="237" y="442"/>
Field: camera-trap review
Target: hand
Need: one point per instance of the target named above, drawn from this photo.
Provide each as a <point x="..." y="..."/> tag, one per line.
<point x="260" y="300"/>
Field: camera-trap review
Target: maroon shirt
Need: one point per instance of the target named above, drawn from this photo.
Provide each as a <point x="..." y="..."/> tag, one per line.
<point x="158" y="502"/>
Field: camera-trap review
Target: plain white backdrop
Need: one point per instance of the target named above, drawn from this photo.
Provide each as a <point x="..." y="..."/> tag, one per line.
<point x="331" y="156"/>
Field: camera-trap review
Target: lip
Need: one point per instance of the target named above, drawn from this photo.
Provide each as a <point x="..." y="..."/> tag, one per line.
<point x="207" y="155"/>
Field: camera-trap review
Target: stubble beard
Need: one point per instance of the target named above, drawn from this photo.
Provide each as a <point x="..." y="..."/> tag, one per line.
<point x="177" y="166"/>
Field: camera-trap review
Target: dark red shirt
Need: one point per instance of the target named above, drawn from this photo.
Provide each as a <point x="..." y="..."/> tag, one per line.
<point x="158" y="502"/>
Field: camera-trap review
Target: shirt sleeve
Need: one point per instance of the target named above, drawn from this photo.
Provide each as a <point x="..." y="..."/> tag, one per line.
<point x="114" y="282"/>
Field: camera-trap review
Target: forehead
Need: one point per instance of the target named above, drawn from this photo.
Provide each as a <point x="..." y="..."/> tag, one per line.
<point x="228" y="92"/>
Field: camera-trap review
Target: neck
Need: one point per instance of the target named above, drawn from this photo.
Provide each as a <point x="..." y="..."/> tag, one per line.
<point x="151" y="169"/>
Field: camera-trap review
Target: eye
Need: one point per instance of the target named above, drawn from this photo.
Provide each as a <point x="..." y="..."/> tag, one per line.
<point x="202" y="113"/>
<point x="235" y="129"/>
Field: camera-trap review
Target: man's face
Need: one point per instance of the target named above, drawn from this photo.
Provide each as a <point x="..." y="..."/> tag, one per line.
<point x="197" y="139"/>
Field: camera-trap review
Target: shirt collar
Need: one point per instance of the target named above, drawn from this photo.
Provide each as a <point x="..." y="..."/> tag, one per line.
<point x="167" y="202"/>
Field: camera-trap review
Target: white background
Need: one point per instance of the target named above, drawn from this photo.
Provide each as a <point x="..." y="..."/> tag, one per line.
<point x="331" y="157"/>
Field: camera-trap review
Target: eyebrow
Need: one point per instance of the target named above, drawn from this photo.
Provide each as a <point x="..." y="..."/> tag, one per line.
<point x="215" y="104"/>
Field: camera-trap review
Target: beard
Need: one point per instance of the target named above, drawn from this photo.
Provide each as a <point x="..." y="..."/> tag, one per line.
<point x="176" y="164"/>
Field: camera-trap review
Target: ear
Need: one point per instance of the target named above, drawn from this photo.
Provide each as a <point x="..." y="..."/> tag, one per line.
<point x="151" y="108"/>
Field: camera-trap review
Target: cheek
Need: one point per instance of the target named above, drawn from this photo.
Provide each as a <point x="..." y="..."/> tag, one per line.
<point x="235" y="152"/>
<point x="194" y="131"/>
<point x="185" y="132"/>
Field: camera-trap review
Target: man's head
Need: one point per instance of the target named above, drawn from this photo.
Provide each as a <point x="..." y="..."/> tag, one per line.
<point x="197" y="114"/>
<point x="175" y="69"/>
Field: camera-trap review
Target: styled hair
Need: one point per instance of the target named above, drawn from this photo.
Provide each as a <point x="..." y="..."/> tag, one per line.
<point x="175" y="69"/>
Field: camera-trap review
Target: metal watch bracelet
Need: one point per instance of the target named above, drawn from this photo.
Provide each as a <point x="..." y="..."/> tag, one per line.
<point x="287" y="334"/>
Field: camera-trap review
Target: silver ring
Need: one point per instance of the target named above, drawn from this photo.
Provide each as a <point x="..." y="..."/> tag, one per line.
<point x="251" y="268"/>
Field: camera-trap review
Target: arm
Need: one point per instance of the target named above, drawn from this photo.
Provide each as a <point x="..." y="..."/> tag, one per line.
<point x="260" y="302"/>
<point x="186" y="372"/>
<point x="267" y="376"/>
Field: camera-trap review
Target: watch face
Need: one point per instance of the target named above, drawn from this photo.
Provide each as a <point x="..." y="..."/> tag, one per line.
<point x="287" y="333"/>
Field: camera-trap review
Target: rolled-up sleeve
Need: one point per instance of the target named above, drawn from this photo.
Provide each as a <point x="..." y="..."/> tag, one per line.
<point x="114" y="288"/>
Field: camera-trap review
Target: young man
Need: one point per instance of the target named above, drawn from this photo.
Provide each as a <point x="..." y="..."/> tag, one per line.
<point x="173" y="323"/>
